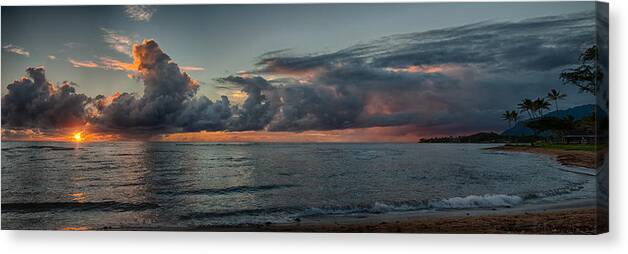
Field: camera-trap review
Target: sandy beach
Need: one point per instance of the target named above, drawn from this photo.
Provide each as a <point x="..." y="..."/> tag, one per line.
<point x="585" y="159"/>
<point x="561" y="221"/>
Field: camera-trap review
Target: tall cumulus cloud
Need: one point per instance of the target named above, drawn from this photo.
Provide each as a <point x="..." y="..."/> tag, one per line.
<point x="169" y="102"/>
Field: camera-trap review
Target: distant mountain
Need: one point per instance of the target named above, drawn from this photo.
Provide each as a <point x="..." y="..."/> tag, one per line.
<point x="577" y="113"/>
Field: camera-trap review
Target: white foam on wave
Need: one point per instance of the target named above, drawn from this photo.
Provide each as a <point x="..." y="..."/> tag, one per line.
<point x="475" y="201"/>
<point x="468" y="202"/>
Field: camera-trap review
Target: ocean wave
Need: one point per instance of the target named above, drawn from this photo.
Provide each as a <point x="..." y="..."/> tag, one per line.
<point x="46" y="147"/>
<point x="228" y="190"/>
<point x="366" y="155"/>
<point x="219" y="144"/>
<point x="563" y="190"/>
<point x="468" y="202"/>
<point x="125" y="154"/>
<point x="287" y="214"/>
<point x="76" y="206"/>
<point x="245" y="212"/>
<point x="475" y="201"/>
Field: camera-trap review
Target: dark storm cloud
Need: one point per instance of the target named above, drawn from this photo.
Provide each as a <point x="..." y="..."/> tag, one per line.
<point x="258" y="109"/>
<point x="336" y="100"/>
<point x="522" y="44"/>
<point x="456" y="79"/>
<point x="366" y="77"/>
<point x="34" y="102"/>
<point x="292" y="107"/>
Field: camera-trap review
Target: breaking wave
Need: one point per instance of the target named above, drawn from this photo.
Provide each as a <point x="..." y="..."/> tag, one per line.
<point x="287" y="214"/>
<point x="474" y="201"/>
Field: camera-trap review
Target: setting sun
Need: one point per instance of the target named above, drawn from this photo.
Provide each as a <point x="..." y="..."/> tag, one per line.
<point x="78" y="137"/>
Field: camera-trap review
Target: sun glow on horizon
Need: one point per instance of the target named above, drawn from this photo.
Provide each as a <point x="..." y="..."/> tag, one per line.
<point x="77" y="137"/>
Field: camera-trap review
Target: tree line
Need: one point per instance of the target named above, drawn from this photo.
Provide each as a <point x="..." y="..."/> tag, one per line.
<point x="586" y="77"/>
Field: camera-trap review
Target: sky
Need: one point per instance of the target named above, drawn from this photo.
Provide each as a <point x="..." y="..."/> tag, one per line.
<point x="327" y="72"/>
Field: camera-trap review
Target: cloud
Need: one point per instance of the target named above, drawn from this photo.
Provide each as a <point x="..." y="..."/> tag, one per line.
<point x="52" y="57"/>
<point x="330" y="102"/>
<point x="139" y="13"/>
<point x="108" y="63"/>
<point x="73" y="45"/>
<point x="105" y="63"/>
<point x="117" y="42"/>
<point x="532" y="44"/>
<point x="258" y="109"/>
<point x="169" y="102"/>
<point x="83" y="64"/>
<point x="16" y="50"/>
<point x="447" y="81"/>
<point x="427" y="79"/>
<point x="191" y="68"/>
<point x="34" y="102"/>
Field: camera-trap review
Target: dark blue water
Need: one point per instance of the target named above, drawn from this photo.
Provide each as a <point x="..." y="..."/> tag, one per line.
<point x="128" y="185"/>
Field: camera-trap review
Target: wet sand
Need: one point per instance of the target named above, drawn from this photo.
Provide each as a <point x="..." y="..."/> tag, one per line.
<point x="565" y="221"/>
<point x="585" y="159"/>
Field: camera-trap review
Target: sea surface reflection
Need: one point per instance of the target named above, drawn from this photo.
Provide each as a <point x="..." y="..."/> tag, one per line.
<point x="161" y="185"/>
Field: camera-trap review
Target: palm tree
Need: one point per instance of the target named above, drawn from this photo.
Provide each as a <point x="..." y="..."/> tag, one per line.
<point x="526" y="105"/>
<point x="540" y="104"/>
<point x="514" y="116"/>
<point x="555" y="96"/>
<point x="510" y="116"/>
<point x="588" y="75"/>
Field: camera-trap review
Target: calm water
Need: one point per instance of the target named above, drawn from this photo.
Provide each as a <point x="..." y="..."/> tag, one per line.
<point x="154" y="185"/>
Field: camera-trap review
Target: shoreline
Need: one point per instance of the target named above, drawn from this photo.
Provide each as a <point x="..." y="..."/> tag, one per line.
<point x="569" y="217"/>
<point x="584" y="159"/>
<point x="577" y="217"/>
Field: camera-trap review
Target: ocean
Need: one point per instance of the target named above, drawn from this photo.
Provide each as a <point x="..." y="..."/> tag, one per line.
<point x="167" y="185"/>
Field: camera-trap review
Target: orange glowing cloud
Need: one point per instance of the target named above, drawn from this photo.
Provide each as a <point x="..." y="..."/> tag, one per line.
<point x="105" y="63"/>
<point x="418" y="68"/>
<point x="84" y="64"/>
<point x="93" y="109"/>
<point x="114" y="64"/>
<point x="237" y="96"/>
